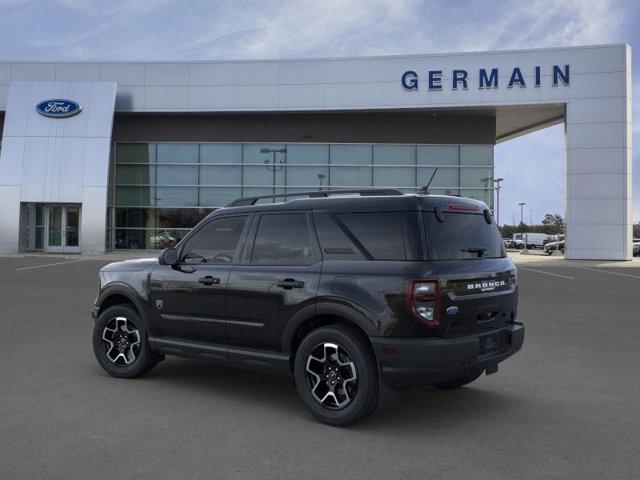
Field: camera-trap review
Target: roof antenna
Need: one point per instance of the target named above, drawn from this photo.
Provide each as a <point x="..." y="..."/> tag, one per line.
<point x="424" y="190"/>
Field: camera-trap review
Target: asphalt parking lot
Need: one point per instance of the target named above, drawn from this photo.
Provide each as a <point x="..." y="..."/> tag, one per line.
<point x="567" y="406"/>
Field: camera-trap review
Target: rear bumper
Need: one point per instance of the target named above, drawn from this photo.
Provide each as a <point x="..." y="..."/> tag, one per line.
<point x="417" y="362"/>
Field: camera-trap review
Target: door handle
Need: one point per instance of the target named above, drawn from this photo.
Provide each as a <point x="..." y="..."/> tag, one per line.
<point x="209" y="280"/>
<point x="289" y="283"/>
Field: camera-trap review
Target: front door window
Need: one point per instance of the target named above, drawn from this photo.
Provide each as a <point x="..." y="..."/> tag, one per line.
<point x="216" y="242"/>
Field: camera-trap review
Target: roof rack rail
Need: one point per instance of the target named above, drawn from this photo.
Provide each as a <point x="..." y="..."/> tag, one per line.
<point x="317" y="194"/>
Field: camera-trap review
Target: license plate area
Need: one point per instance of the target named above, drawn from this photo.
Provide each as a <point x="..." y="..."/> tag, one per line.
<point x="492" y="344"/>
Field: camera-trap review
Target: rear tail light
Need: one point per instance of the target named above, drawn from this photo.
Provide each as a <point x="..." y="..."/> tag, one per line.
<point x="423" y="297"/>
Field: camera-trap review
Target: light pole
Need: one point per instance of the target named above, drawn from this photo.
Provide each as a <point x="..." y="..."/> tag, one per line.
<point x="524" y="238"/>
<point x="497" y="182"/>
<point x="273" y="165"/>
<point x="321" y="177"/>
<point x="522" y="212"/>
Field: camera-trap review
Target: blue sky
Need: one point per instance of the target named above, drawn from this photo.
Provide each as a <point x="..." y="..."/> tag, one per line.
<point x="207" y="30"/>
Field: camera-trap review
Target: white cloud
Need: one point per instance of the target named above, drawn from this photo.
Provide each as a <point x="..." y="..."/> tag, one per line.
<point x="546" y="23"/>
<point x="112" y="8"/>
<point x="160" y="29"/>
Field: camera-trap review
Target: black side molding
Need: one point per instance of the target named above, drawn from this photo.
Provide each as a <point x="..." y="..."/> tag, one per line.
<point x="266" y="361"/>
<point x="181" y="348"/>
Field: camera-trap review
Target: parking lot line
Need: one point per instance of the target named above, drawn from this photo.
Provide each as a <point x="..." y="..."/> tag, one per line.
<point x="48" y="265"/>
<point x="546" y="273"/>
<point x="611" y="273"/>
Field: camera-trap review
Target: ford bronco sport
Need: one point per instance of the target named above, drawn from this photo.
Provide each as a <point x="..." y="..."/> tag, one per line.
<point x="355" y="294"/>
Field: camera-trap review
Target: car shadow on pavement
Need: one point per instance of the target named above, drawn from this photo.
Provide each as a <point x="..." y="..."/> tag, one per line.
<point x="230" y="382"/>
<point x="427" y="406"/>
<point x="439" y="409"/>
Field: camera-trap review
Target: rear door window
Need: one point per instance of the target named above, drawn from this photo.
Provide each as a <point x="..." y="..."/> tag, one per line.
<point x="283" y="239"/>
<point x="462" y="236"/>
<point x="380" y="233"/>
<point x="334" y="241"/>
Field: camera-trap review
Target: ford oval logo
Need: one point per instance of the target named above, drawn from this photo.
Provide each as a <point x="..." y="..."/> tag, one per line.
<point x="58" y="108"/>
<point x="452" y="310"/>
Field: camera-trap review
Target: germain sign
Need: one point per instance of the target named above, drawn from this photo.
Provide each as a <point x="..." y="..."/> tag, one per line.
<point x="487" y="78"/>
<point x="58" y="108"/>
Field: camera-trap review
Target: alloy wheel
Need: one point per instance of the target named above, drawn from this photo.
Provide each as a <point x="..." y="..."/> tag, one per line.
<point x="121" y="341"/>
<point x="331" y="375"/>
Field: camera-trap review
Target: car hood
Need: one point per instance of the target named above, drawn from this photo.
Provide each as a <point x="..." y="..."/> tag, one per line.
<point x="130" y="265"/>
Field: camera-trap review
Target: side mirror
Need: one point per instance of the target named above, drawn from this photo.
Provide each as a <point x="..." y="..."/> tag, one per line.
<point x="169" y="256"/>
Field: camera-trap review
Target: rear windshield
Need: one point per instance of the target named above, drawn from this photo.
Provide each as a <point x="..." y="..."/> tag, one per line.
<point x="462" y="236"/>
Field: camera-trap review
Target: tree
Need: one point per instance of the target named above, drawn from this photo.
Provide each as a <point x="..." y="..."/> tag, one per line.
<point x="552" y="224"/>
<point x="554" y="220"/>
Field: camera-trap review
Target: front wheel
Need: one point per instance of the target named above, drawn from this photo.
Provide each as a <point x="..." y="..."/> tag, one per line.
<point x="336" y="375"/>
<point x="120" y="343"/>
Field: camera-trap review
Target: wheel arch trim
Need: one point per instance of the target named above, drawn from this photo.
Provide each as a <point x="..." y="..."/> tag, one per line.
<point x="118" y="288"/>
<point x="309" y="312"/>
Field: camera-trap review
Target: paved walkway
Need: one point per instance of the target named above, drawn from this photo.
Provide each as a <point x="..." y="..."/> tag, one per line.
<point x="536" y="257"/>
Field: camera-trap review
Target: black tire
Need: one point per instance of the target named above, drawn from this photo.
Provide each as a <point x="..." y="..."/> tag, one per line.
<point x="361" y="392"/>
<point x="458" y="382"/>
<point x="142" y="359"/>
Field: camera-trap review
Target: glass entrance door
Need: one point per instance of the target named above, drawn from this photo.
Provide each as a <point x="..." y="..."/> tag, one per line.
<point x="62" y="229"/>
<point x="72" y="229"/>
<point x="54" y="230"/>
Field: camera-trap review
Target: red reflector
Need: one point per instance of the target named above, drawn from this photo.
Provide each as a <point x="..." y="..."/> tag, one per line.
<point x="390" y="350"/>
<point x="460" y="207"/>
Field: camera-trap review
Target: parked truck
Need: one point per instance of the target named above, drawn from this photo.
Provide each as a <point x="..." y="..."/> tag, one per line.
<point x="530" y="240"/>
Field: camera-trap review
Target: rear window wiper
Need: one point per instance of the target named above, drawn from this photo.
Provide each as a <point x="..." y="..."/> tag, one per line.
<point x="479" y="250"/>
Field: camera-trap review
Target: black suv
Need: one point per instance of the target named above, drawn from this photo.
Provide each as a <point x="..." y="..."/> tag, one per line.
<point x="353" y="296"/>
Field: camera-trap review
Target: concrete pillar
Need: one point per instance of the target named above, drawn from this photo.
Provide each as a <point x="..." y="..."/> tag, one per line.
<point x="598" y="206"/>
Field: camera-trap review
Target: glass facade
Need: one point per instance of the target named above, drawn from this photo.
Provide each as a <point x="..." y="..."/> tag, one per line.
<point x="161" y="190"/>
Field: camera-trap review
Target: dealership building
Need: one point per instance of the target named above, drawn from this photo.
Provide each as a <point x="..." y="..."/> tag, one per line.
<point x="129" y="155"/>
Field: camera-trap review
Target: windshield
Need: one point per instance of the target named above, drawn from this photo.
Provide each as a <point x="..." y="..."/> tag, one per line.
<point x="462" y="236"/>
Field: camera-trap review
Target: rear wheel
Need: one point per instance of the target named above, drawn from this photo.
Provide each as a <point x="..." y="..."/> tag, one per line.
<point x="120" y="343"/>
<point x="336" y="375"/>
<point x="458" y="382"/>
